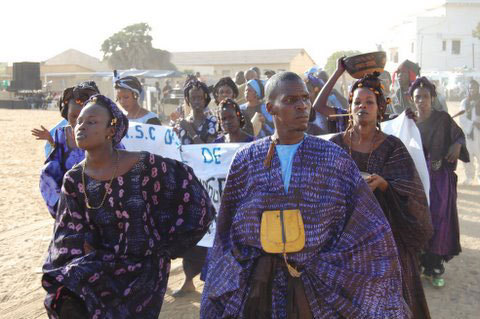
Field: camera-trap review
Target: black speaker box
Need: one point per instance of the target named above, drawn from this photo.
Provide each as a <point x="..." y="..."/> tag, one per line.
<point x="26" y="76"/>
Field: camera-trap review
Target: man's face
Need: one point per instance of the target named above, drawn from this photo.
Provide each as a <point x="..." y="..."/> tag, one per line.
<point x="250" y="75"/>
<point x="473" y="90"/>
<point x="291" y="106"/>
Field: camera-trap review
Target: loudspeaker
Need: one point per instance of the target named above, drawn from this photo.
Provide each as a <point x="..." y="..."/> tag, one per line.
<point x="26" y="76"/>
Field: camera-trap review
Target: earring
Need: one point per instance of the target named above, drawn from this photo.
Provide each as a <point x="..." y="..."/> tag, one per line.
<point x="109" y="137"/>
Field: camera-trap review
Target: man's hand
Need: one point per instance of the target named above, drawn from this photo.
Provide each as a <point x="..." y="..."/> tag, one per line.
<point x="453" y="153"/>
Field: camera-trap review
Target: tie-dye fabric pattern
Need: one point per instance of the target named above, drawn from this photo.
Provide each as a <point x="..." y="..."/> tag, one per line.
<point x="349" y="264"/>
<point x="117" y="258"/>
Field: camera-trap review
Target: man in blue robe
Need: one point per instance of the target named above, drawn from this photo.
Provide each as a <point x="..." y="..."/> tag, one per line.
<point x="348" y="267"/>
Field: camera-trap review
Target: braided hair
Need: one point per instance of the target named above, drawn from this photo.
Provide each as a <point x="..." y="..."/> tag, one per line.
<point x="191" y="83"/>
<point x="423" y="82"/>
<point x="226" y="81"/>
<point x="374" y="84"/>
<point x="227" y="104"/>
<point x="79" y="93"/>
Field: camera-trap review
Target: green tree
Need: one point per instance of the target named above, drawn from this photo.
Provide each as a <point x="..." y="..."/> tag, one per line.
<point x="476" y="31"/>
<point x="331" y="64"/>
<point x="132" y="47"/>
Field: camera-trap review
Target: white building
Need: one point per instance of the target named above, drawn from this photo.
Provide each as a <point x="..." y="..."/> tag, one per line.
<point x="440" y="39"/>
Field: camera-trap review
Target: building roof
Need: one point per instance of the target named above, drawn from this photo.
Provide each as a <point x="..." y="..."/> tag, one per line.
<point x="469" y="2"/>
<point x="75" y="57"/>
<point x="251" y="57"/>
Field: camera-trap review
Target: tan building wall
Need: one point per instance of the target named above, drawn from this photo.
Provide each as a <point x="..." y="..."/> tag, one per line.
<point x="298" y="65"/>
<point x="65" y="68"/>
<point x="301" y="63"/>
<point x="230" y="70"/>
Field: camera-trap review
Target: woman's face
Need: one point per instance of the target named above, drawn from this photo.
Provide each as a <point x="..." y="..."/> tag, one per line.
<point x="93" y="127"/>
<point x="364" y="106"/>
<point x="250" y="94"/>
<point x="422" y="99"/>
<point x="126" y="99"/>
<point x="224" y="92"/>
<point x="229" y="120"/>
<point x="196" y="99"/>
<point x="73" y="112"/>
<point x="312" y="91"/>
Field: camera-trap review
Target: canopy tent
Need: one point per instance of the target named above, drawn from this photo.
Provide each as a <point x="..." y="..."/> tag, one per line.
<point x="155" y="74"/>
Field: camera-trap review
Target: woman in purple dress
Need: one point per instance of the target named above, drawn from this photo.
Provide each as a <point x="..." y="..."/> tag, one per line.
<point x="122" y="217"/>
<point x="65" y="153"/>
<point x="444" y="143"/>
<point x="391" y="175"/>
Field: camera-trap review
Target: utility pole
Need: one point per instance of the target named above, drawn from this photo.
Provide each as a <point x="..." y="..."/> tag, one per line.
<point x="473" y="56"/>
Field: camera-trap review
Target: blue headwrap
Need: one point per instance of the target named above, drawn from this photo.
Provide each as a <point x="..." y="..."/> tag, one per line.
<point x="314" y="69"/>
<point x="258" y="87"/>
<point x="316" y="82"/>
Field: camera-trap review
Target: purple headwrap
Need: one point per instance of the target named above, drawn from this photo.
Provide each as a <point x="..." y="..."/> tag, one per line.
<point x="119" y="120"/>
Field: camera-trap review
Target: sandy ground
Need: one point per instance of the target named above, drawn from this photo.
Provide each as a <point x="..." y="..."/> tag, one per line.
<point x="26" y="227"/>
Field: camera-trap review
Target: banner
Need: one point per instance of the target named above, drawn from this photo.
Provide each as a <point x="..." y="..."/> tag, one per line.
<point x="406" y="130"/>
<point x="160" y="140"/>
<point x="211" y="162"/>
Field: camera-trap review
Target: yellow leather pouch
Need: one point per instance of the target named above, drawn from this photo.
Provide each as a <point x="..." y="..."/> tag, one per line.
<point x="282" y="231"/>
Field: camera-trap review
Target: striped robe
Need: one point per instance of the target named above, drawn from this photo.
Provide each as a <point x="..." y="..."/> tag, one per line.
<point x="350" y="265"/>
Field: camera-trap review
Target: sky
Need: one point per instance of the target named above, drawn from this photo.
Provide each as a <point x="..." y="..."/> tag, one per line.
<point x="35" y="30"/>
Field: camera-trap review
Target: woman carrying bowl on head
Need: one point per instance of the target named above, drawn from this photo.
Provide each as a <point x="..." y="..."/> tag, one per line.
<point x="444" y="144"/>
<point x="390" y="173"/>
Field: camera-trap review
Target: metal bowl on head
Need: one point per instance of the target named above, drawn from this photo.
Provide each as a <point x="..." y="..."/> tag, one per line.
<point x="360" y="65"/>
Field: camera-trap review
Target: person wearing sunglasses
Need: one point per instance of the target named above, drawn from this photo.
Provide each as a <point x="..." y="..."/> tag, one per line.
<point x="64" y="152"/>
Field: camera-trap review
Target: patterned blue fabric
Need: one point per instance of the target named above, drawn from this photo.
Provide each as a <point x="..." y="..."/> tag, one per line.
<point x="48" y="147"/>
<point x="61" y="159"/>
<point x="117" y="258"/>
<point x="349" y="264"/>
<point x="341" y="123"/>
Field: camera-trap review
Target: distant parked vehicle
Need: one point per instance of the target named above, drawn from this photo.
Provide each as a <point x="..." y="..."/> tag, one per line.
<point x="174" y="96"/>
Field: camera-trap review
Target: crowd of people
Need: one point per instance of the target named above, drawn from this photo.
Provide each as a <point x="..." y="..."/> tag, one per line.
<point x="307" y="228"/>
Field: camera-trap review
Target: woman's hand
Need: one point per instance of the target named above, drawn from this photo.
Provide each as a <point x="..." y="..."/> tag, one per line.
<point x="42" y="134"/>
<point x="175" y="116"/>
<point x="375" y="181"/>
<point x="340" y="65"/>
<point x="411" y="114"/>
<point x="261" y="118"/>
<point x="453" y="153"/>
